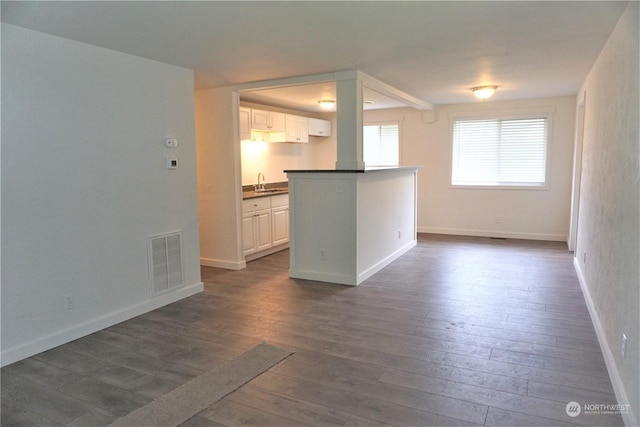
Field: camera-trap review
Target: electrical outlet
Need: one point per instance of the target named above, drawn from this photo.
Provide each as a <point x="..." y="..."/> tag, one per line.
<point x="323" y="254"/>
<point x="171" y="163"/>
<point x="399" y="234"/>
<point x="584" y="257"/>
<point x="498" y="220"/>
<point x="623" y="346"/>
<point x="69" y="302"/>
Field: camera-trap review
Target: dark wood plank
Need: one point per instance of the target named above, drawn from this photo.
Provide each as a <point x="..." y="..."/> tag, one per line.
<point x="459" y="331"/>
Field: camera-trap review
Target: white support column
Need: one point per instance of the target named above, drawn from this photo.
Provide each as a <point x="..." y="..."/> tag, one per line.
<point x="349" y="121"/>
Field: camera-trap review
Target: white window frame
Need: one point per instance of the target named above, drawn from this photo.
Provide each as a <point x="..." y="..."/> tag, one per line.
<point x="543" y="112"/>
<point x="382" y="123"/>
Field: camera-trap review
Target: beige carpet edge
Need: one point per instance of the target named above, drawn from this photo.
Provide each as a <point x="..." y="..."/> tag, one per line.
<point x="187" y="400"/>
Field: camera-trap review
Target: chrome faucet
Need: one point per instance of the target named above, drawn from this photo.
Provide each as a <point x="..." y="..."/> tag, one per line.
<point x="260" y="187"/>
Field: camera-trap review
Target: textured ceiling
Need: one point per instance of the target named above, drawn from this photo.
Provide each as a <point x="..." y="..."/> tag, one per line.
<point x="432" y="50"/>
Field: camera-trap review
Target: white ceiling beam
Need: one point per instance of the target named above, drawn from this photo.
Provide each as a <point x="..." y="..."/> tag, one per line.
<point x="368" y="82"/>
<point x="393" y="93"/>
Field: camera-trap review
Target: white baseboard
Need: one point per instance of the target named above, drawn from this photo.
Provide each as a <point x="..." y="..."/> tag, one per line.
<point x="319" y="276"/>
<point x="630" y="418"/>
<point x="229" y="265"/>
<point x="493" y="233"/>
<point x="386" y="261"/>
<point x="347" y="279"/>
<point x="28" y="349"/>
<point x="271" y="250"/>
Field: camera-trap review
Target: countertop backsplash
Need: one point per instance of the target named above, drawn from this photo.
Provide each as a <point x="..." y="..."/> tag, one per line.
<point x="267" y="185"/>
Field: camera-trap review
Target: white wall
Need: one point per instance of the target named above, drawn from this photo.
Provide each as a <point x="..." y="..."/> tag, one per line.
<point x="272" y="159"/>
<point x="84" y="185"/>
<point x="530" y="214"/>
<point x="219" y="178"/>
<point x="326" y="149"/>
<point x="609" y="209"/>
<point x="386" y="220"/>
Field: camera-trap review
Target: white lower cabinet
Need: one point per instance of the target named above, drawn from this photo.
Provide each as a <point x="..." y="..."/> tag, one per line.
<point x="265" y="223"/>
<point x="280" y="225"/>
<point x="256" y="225"/>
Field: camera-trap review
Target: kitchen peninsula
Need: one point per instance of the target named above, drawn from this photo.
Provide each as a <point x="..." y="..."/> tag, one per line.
<point x="346" y="225"/>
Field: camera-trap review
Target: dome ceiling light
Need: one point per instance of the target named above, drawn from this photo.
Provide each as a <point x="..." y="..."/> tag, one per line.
<point x="483" y="92"/>
<point x="327" y="104"/>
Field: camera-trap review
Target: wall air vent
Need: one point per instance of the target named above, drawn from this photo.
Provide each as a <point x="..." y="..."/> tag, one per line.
<point x="165" y="262"/>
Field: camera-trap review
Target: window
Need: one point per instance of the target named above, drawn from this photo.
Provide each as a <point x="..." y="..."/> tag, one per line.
<point x="381" y="144"/>
<point x="497" y="152"/>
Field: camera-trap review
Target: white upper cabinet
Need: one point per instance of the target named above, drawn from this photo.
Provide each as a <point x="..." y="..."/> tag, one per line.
<point x="318" y="127"/>
<point x="269" y="121"/>
<point x="273" y="126"/>
<point x="245" y="123"/>
<point x="297" y="129"/>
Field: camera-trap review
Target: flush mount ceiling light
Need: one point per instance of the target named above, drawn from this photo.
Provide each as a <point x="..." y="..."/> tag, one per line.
<point x="483" y="92"/>
<point x="327" y="104"/>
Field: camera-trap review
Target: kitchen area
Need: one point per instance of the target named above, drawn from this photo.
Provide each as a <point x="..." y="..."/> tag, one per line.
<point x="275" y="139"/>
<point x="275" y="170"/>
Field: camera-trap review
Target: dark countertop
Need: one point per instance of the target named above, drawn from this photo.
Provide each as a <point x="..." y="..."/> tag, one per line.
<point x="273" y="189"/>
<point x="251" y="194"/>
<point x="365" y="170"/>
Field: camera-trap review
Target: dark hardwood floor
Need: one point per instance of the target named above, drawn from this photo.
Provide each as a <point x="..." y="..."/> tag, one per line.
<point x="459" y="331"/>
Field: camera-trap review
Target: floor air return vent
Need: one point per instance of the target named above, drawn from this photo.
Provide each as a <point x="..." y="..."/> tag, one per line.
<point x="165" y="256"/>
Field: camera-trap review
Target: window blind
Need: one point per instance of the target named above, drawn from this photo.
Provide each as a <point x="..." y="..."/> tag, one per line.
<point x="499" y="152"/>
<point x="381" y="145"/>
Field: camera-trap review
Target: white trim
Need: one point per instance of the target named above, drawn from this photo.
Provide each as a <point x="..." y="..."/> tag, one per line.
<point x="494" y="233"/>
<point x="48" y="342"/>
<point x="577" y="174"/>
<point x="340" y="279"/>
<point x="271" y="250"/>
<point x="345" y="279"/>
<point x="385" y="262"/>
<point x="501" y="113"/>
<point x="219" y="263"/>
<point x="543" y="187"/>
<point x="630" y="419"/>
<point x="388" y="90"/>
<point x="547" y="112"/>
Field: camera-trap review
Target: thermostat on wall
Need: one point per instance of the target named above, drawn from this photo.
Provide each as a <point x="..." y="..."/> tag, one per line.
<point x="172" y="163"/>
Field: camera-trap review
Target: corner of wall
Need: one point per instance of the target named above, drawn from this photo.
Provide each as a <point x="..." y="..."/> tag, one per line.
<point x="630" y="418"/>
